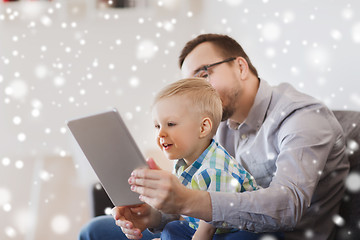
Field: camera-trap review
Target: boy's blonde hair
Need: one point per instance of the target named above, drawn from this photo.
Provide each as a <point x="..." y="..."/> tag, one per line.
<point x="203" y="96"/>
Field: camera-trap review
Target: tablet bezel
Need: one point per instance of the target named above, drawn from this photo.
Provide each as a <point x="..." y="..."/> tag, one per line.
<point x="111" y="151"/>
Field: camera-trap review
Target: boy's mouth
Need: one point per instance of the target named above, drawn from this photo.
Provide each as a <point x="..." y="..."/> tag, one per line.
<point x="166" y="146"/>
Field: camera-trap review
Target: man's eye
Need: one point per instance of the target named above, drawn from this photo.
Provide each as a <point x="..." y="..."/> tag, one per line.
<point x="202" y="74"/>
<point x="205" y="75"/>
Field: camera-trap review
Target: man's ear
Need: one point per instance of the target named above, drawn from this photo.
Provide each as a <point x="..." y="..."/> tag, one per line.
<point x="243" y="66"/>
<point x="206" y="127"/>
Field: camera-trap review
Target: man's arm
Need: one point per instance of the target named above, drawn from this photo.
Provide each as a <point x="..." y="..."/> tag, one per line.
<point x="311" y="147"/>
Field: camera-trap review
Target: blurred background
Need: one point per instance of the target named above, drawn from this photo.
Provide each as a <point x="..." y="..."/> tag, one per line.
<point x="63" y="59"/>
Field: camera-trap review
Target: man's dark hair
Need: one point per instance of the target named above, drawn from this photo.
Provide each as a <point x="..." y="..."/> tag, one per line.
<point x="226" y="46"/>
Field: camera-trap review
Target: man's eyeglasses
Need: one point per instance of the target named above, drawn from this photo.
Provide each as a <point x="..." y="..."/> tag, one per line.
<point x="204" y="71"/>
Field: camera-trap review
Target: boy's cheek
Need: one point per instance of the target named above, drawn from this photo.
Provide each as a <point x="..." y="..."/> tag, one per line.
<point x="158" y="144"/>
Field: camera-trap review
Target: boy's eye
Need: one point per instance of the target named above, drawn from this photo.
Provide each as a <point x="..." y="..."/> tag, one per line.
<point x="171" y="124"/>
<point x="157" y="126"/>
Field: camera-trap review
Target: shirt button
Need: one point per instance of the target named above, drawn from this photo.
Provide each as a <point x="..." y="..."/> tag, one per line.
<point x="243" y="136"/>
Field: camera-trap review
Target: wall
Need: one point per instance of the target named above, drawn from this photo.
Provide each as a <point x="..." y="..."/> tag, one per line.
<point x="64" y="59"/>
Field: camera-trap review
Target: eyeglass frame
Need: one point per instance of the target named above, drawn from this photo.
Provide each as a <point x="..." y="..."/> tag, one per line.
<point x="206" y="67"/>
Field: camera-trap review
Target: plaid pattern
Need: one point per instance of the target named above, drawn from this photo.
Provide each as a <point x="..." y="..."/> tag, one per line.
<point x="214" y="170"/>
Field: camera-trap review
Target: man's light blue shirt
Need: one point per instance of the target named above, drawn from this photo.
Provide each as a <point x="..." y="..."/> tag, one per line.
<point x="294" y="147"/>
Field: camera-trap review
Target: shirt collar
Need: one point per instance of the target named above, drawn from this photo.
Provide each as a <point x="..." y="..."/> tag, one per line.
<point x="258" y="111"/>
<point x="186" y="173"/>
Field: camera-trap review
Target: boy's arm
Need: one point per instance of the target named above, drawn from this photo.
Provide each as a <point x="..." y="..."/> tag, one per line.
<point x="205" y="231"/>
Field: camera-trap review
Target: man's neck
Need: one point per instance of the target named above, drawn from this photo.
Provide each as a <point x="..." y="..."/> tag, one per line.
<point x="246" y="100"/>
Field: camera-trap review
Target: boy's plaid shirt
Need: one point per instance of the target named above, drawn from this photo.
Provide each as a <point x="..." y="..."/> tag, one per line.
<point x="215" y="170"/>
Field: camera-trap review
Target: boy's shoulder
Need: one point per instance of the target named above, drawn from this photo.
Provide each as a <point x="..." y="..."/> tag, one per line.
<point x="218" y="158"/>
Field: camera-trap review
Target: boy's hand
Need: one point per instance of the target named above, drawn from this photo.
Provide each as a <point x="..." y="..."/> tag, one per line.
<point x="205" y="231"/>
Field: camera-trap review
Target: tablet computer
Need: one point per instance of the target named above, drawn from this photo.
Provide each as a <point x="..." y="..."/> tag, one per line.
<point x="111" y="151"/>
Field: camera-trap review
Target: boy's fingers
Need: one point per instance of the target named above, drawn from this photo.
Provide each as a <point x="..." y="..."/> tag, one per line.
<point x="152" y="164"/>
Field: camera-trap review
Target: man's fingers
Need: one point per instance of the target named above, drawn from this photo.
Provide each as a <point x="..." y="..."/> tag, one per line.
<point x="132" y="233"/>
<point x="133" y="236"/>
<point x="116" y="212"/>
<point x="141" y="209"/>
<point x="143" y="182"/>
<point x="145" y="191"/>
<point x="151" y="201"/>
<point x="124" y="224"/>
<point x="148" y="196"/>
<point x="128" y="229"/>
<point x="147" y="173"/>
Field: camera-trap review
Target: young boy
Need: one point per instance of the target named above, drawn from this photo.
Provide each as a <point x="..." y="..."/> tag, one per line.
<point x="186" y="116"/>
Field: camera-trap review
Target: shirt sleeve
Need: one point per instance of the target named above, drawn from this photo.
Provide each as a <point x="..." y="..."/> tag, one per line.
<point x="305" y="143"/>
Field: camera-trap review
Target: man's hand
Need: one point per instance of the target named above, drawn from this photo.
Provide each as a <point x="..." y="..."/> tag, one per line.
<point x="135" y="219"/>
<point x="163" y="191"/>
<point x="158" y="188"/>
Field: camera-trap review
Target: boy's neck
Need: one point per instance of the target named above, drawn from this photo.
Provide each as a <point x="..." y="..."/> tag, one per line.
<point x="203" y="145"/>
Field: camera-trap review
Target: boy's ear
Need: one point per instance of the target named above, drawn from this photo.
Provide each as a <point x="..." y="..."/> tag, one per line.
<point x="206" y="127"/>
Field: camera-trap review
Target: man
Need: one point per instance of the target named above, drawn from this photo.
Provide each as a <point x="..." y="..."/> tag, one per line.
<point x="290" y="142"/>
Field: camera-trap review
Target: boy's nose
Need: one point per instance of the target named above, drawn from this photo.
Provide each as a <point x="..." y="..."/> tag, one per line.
<point x="161" y="133"/>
